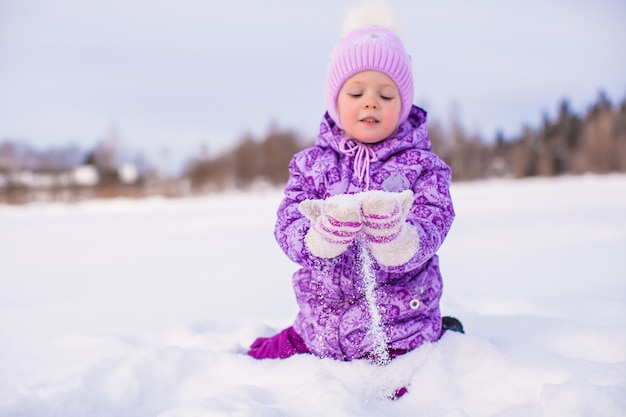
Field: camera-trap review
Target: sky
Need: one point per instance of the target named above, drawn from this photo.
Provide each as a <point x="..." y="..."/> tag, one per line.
<point x="171" y="78"/>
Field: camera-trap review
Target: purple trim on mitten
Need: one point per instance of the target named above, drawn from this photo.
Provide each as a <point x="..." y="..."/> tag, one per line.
<point x="383" y="239"/>
<point x="337" y="232"/>
<point x="339" y="223"/>
<point x="375" y="216"/>
<point x="380" y="226"/>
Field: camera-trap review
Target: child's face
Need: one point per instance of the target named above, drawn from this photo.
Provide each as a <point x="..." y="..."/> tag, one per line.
<point x="369" y="106"/>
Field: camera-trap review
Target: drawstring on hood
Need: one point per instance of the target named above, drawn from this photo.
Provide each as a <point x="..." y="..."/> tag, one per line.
<point x="363" y="156"/>
<point x="411" y="134"/>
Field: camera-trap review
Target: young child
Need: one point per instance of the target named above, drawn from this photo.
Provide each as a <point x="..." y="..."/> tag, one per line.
<point x="370" y="179"/>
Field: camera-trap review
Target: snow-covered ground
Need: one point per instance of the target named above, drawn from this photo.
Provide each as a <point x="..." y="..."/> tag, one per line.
<point x="145" y="308"/>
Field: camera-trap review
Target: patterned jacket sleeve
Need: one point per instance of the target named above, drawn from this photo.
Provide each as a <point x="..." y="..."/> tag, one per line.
<point x="291" y="225"/>
<point x="432" y="212"/>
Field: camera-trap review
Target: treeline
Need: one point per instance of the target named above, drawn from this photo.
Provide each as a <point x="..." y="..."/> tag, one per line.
<point x="251" y="162"/>
<point x="569" y="143"/>
<point x="594" y="142"/>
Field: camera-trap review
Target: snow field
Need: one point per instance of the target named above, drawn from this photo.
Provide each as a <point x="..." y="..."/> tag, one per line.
<point x="146" y="308"/>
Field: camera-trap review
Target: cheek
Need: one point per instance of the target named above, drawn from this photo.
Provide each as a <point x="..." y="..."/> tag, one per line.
<point x="393" y="113"/>
<point x="345" y="110"/>
<point x="398" y="110"/>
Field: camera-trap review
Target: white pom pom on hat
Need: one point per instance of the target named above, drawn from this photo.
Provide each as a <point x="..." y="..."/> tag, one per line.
<point x="369" y="48"/>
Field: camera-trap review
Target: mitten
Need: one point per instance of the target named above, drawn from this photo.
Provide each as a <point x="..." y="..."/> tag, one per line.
<point x="391" y="239"/>
<point x="335" y="222"/>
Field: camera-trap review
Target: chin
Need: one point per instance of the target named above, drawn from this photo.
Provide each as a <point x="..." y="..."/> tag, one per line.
<point x="371" y="140"/>
<point x="367" y="136"/>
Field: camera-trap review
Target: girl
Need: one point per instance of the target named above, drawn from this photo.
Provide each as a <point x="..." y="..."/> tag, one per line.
<point x="370" y="192"/>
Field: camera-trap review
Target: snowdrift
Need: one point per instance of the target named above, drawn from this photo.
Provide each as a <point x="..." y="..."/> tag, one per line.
<point x="146" y="308"/>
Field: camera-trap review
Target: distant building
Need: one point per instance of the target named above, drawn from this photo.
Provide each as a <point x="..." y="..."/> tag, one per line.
<point x="128" y="174"/>
<point x="85" y="175"/>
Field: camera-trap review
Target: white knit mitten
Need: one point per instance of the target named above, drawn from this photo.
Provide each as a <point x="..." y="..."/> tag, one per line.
<point x="392" y="240"/>
<point x="335" y="222"/>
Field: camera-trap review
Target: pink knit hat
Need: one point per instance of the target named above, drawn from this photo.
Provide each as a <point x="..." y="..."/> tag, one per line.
<point x="369" y="48"/>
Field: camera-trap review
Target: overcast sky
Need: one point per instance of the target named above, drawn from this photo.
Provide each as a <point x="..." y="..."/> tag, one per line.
<point x="177" y="75"/>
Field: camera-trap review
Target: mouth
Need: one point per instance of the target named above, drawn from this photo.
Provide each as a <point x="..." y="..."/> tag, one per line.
<point x="369" y="120"/>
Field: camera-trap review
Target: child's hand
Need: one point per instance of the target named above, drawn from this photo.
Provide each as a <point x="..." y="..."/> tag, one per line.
<point x="392" y="240"/>
<point x="334" y="225"/>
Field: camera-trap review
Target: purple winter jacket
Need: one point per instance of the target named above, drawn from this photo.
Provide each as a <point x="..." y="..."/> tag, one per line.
<point x="334" y="318"/>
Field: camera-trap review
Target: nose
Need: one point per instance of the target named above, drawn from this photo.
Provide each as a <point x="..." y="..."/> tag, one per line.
<point x="370" y="103"/>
